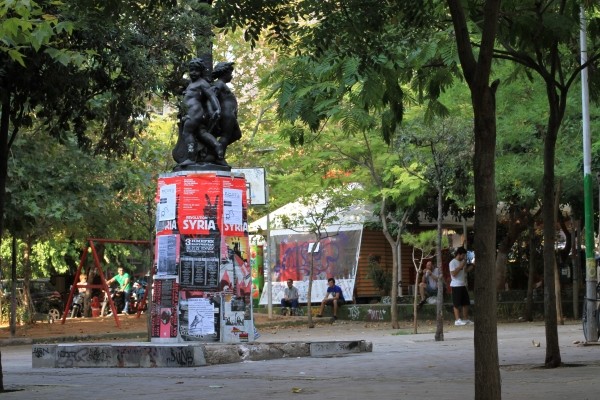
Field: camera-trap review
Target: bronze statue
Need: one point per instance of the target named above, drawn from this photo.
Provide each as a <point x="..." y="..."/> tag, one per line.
<point x="228" y="128"/>
<point x="208" y="121"/>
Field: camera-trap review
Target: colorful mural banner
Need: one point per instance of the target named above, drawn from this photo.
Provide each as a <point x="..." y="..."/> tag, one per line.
<point x="335" y="257"/>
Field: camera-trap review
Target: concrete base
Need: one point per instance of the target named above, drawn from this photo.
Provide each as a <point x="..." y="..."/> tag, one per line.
<point x="154" y="355"/>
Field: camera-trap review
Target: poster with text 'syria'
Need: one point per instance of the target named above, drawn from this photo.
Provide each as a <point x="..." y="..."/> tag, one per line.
<point x="235" y="208"/>
<point x="199" y="211"/>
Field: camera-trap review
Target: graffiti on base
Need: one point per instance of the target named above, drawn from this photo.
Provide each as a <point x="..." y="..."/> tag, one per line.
<point x="354" y="313"/>
<point x="375" y="315"/>
<point x="39" y="352"/>
<point x="66" y="358"/>
<point x="182" y="357"/>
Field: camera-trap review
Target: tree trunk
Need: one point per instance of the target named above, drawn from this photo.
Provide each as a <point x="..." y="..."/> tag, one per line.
<point x="477" y="75"/>
<point x="559" y="313"/>
<point x="487" y="373"/>
<point x="4" y="146"/>
<point x="553" y="358"/>
<point x="439" y="310"/>
<point x="394" y="244"/>
<point x="530" y="279"/>
<point x="13" y="287"/>
<point x="518" y="218"/>
<point x="576" y="267"/>
<point x="415" y="300"/>
<point x="501" y="262"/>
<point x="309" y="293"/>
<point x="27" y="302"/>
<point x="394" y="302"/>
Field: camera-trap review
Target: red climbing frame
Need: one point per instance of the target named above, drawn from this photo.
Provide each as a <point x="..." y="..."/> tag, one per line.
<point x="103" y="285"/>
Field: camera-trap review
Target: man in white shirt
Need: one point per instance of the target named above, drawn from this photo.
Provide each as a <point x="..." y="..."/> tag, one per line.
<point x="460" y="294"/>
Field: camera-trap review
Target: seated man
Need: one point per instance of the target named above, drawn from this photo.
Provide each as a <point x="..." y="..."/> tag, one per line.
<point x="429" y="285"/>
<point x="290" y="298"/>
<point x="334" y="298"/>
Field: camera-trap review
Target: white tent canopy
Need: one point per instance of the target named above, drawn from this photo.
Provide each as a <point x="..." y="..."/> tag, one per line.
<point x="357" y="214"/>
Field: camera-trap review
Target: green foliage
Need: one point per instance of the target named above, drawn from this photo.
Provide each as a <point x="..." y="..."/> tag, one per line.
<point x="36" y="25"/>
<point x="424" y="244"/>
<point x="438" y="153"/>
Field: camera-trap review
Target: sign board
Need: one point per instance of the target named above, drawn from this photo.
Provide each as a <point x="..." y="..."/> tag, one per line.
<point x="256" y="178"/>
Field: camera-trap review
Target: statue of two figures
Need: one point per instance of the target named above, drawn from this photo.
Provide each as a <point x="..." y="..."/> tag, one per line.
<point x="208" y="113"/>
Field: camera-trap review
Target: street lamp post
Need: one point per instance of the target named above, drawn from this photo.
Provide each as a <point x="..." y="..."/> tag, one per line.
<point x="591" y="275"/>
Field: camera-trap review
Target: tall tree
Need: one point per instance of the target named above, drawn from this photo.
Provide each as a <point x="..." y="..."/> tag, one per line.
<point x="476" y="66"/>
<point x="68" y="63"/>
<point x="438" y="153"/>
<point x="391" y="188"/>
<point x="542" y="36"/>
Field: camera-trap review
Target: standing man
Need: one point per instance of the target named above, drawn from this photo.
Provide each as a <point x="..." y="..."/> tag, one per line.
<point x="429" y="285"/>
<point x="290" y="298"/>
<point x="460" y="294"/>
<point x="334" y="298"/>
<point x="122" y="278"/>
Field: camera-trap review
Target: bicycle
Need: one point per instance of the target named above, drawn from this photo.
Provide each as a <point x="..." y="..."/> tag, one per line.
<point x="584" y="317"/>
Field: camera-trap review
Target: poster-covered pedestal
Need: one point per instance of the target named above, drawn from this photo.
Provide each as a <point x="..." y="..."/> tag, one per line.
<point x="202" y="283"/>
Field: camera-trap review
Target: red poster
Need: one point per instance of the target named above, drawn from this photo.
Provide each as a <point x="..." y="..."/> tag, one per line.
<point x="199" y="210"/>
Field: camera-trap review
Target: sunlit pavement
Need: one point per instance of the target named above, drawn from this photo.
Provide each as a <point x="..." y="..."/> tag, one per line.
<point x="401" y="366"/>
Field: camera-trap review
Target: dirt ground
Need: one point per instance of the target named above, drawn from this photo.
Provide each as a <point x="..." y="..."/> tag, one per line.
<point x="131" y="324"/>
<point x="77" y="327"/>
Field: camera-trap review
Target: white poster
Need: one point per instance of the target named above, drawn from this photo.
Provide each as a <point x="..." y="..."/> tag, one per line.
<point x="201" y="317"/>
<point x="256" y="180"/>
<point x="167" y="203"/>
<point x="232" y="206"/>
<point x="168" y="254"/>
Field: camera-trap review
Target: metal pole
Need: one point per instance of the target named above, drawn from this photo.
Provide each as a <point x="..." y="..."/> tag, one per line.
<point x="590" y="263"/>
<point x="269" y="277"/>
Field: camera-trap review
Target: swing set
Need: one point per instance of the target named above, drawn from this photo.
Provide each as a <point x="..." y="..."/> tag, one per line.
<point x="102" y="285"/>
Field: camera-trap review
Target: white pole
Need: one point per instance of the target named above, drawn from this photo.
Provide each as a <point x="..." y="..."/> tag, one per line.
<point x="590" y="262"/>
<point x="269" y="277"/>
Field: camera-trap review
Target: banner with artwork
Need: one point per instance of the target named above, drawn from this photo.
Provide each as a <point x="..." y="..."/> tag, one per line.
<point x="335" y="256"/>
